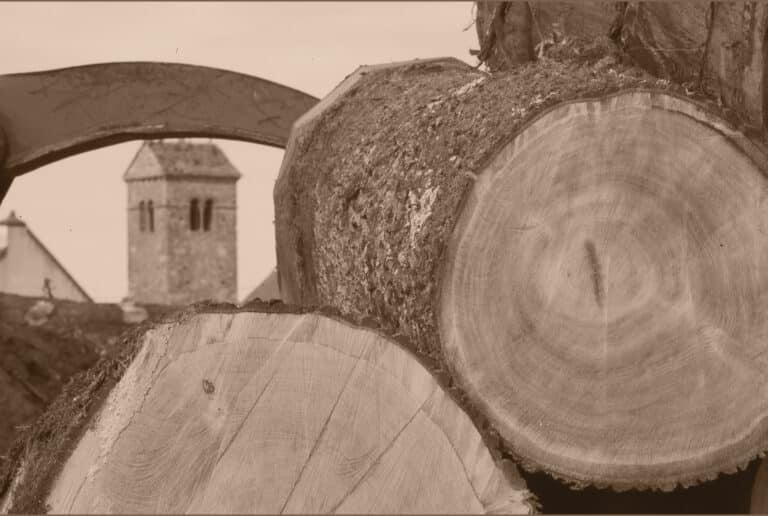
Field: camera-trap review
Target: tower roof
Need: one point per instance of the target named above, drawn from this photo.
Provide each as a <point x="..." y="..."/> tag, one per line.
<point x="180" y="159"/>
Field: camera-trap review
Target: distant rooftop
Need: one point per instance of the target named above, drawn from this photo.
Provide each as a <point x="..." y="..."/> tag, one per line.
<point x="267" y="290"/>
<point x="180" y="159"/>
<point x="12" y="220"/>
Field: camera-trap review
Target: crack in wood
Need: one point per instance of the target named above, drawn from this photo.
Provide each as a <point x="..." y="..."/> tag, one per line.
<point x="597" y="273"/>
<point x="321" y="434"/>
<point x="378" y="459"/>
<point x="245" y="419"/>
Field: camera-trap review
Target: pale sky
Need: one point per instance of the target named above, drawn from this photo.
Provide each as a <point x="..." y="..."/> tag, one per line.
<point x="77" y="206"/>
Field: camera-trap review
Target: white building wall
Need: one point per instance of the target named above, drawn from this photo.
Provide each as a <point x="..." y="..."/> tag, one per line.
<point x="26" y="265"/>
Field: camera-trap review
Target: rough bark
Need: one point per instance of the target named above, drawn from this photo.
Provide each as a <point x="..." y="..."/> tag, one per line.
<point x="507" y="36"/>
<point x="736" y="65"/>
<point x="717" y="47"/>
<point x="267" y="410"/>
<point x="669" y="39"/>
<point x="536" y="26"/>
<point x="408" y="220"/>
<point x="36" y="361"/>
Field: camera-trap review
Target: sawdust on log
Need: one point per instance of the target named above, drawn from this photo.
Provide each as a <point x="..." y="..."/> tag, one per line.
<point x="376" y="186"/>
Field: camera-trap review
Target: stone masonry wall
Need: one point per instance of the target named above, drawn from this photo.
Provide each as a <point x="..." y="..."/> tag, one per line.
<point x="202" y="264"/>
<point x="175" y="265"/>
<point x="148" y="251"/>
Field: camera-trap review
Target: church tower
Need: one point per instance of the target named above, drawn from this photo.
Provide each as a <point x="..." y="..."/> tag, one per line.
<point x="182" y="216"/>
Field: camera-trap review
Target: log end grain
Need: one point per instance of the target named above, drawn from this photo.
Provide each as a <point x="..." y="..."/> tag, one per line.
<point x="370" y="197"/>
<point x="274" y="410"/>
<point x="373" y="178"/>
<point x="604" y="293"/>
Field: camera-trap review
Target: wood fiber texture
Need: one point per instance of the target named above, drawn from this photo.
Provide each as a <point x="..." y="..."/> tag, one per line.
<point x="557" y="167"/>
<point x="257" y="412"/>
<point x="605" y="291"/>
<point x="363" y="210"/>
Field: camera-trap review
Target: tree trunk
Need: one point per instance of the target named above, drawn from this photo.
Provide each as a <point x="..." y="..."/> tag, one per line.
<point x="585" y="250"/>
<point x="736" y="67"/>
<point x="255" y="412"/>
<point x="549" y="23"/>
<point x="720" y="48"/>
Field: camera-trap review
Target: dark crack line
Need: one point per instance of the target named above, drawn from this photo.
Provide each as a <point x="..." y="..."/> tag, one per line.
<point x="378" y="459"/>
<point x="597" y="273"/>
<point x="248" y="415"/>
<point x="439" y="431"/>
<point x="322" y="433"/>
<point x="245" y="419"/>
<point x="77" y="494"/>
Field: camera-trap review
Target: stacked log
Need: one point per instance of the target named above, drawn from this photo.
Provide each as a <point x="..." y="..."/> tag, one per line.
<point x="270" y="409"/>
<point x="720" y="48"/>
<point x="575" y="248"/>
<point x="580" y="244"/>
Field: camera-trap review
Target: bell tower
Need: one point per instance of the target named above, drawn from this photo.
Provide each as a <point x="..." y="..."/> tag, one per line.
<point x="182" y="221"/>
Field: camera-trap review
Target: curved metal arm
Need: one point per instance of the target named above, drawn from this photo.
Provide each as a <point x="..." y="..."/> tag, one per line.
<point x="53" y="114"/>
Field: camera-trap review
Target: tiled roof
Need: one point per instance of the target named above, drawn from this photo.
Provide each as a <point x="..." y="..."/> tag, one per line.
<point x="182" y="159"/>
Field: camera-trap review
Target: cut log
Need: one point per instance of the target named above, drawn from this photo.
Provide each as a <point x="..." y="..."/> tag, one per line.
<point x="589" y="258"/>
<point x="669" y="39"/>
<point x="736" y="67"/>
<point x="720" y="48"/>
<point x="547" y="23"/>
<point x="257" y="412"/>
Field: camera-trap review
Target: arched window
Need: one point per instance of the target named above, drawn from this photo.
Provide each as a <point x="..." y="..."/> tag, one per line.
<point x="207" y="214"/>
<point x="142" y="217"/>
<point x="151" y="215"/>
<point x="194" y="215"/>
